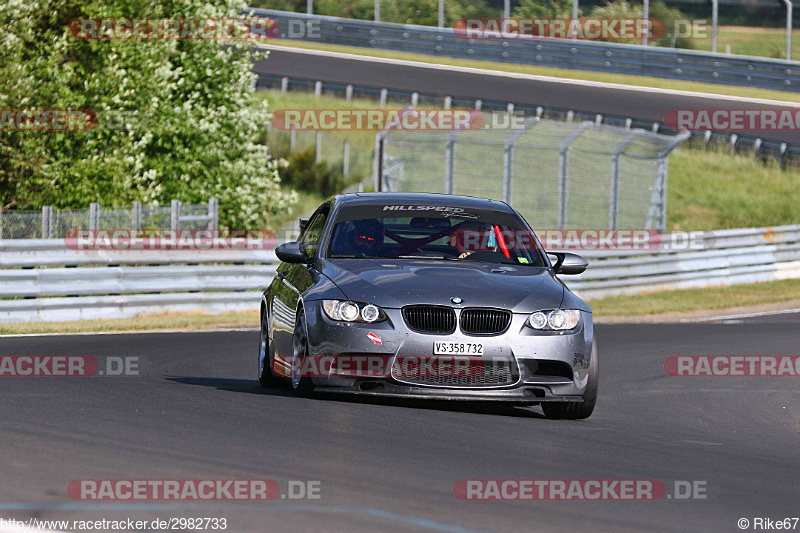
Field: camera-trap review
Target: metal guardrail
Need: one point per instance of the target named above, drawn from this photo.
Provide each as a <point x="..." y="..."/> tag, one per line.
<point x="583" y="55"/>
<point x="126" y="283"/>
<point x="119" y="284"/>
<point x="725" y="257"/>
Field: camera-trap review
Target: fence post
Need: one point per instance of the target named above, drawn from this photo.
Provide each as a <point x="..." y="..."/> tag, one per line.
<point x="175" y="215"/>
<point x="318" y="147"/>
<point x="292" y="139"/>
<point x="563" y="172"/>
<point x="449" y="164"/>
<point x="613" y="204"/>
<point x="94" y="216"/>
<point x="508" y="157"/>
<point x="213" y="212"/>
<point x="46" y="221"/>
<point x="136" y="215"/>
<point x="378" y="161"/>
<point x="346" y="159"/>
<point x="1" y="222"/>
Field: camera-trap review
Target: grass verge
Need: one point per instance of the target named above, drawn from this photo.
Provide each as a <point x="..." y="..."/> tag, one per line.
<point x="707" y="299"/>
<point x="152" y="322"/>
<point x="587" y="75"/>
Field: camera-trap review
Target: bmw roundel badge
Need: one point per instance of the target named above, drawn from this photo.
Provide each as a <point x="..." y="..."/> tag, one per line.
<point x="456" y="300"/>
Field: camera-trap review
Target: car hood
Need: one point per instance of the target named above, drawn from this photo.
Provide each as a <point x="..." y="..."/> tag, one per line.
<point x="394" y="283"/>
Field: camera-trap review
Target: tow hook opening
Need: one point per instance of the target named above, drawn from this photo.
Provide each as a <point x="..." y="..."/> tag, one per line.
<point x="370" y="386"/>
<point x="535" y="392"/>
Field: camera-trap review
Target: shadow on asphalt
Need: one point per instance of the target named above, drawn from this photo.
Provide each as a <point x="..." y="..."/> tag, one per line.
<point x="251" y="386"/>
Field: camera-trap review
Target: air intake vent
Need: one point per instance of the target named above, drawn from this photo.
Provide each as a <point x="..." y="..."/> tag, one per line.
<point x="430" y="319"/>
<point x="485" y="321"/>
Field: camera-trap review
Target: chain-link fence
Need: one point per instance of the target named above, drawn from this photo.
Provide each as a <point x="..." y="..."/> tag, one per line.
<point x="50" y="223"/>
<point x="557" y="174"/>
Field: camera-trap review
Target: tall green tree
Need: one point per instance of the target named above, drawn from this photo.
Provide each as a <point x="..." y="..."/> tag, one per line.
<point x="189" y="125"/>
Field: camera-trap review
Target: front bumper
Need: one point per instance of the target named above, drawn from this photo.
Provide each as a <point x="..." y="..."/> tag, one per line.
<point x="548" y="366"/>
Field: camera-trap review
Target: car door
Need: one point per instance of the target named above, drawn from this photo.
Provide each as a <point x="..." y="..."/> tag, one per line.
<point x="295" y="279"/>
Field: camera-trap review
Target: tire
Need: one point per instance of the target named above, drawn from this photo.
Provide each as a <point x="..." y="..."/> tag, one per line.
<point x="265" y="375"/>
<point x="577" y="410"/>
<point x="301" y="384"/>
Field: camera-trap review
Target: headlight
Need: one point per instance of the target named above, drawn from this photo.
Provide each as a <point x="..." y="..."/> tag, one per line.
<point x="347" y="311"/>
<point x="555" y="320"/>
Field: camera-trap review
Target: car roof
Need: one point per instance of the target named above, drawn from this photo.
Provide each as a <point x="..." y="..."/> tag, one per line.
<point x="420" y="198"/>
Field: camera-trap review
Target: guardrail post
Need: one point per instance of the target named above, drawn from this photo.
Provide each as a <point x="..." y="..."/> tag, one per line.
<point x="384" y="95"/>
<point x="292" y="139"/>
<point x="414" y="99"/>
<point x="136" y="215"/>
<point x="94" y="216"/>
<point x="448" y="102"/>
<point x="175" y="215"/>
<point x="346" y="159"/>
<point x="213" y="212"/>
<point x="318" y="147"/>
<point x="284" y="84"/>
<point x="348" y="93"/>
<point x="478" y="104"/>
<point x="318" y="89"/>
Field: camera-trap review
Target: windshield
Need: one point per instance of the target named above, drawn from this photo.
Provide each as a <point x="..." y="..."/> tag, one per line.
<point x="484" y="236"/>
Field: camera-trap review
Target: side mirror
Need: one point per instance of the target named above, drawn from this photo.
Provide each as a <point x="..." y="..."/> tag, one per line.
<point x="290" y="252"/>
<point x="303" y="224"/>
<point x="568" y="263"/>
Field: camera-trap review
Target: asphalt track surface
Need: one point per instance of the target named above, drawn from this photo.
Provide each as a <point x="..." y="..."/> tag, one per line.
<point x="197" y="412"/>
<point x="645" y="105"/>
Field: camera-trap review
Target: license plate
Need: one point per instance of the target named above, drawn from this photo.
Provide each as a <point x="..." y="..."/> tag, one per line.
<point x="457" y="348"/>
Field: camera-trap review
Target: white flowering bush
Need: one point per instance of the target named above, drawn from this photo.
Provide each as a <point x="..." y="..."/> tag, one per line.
<point x="185" y="124"/>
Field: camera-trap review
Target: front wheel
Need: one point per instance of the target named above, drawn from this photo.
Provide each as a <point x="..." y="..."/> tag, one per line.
<point x="301" y="384"/>
<point x="265" y="375"/>
<point x="577" y="410"/>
